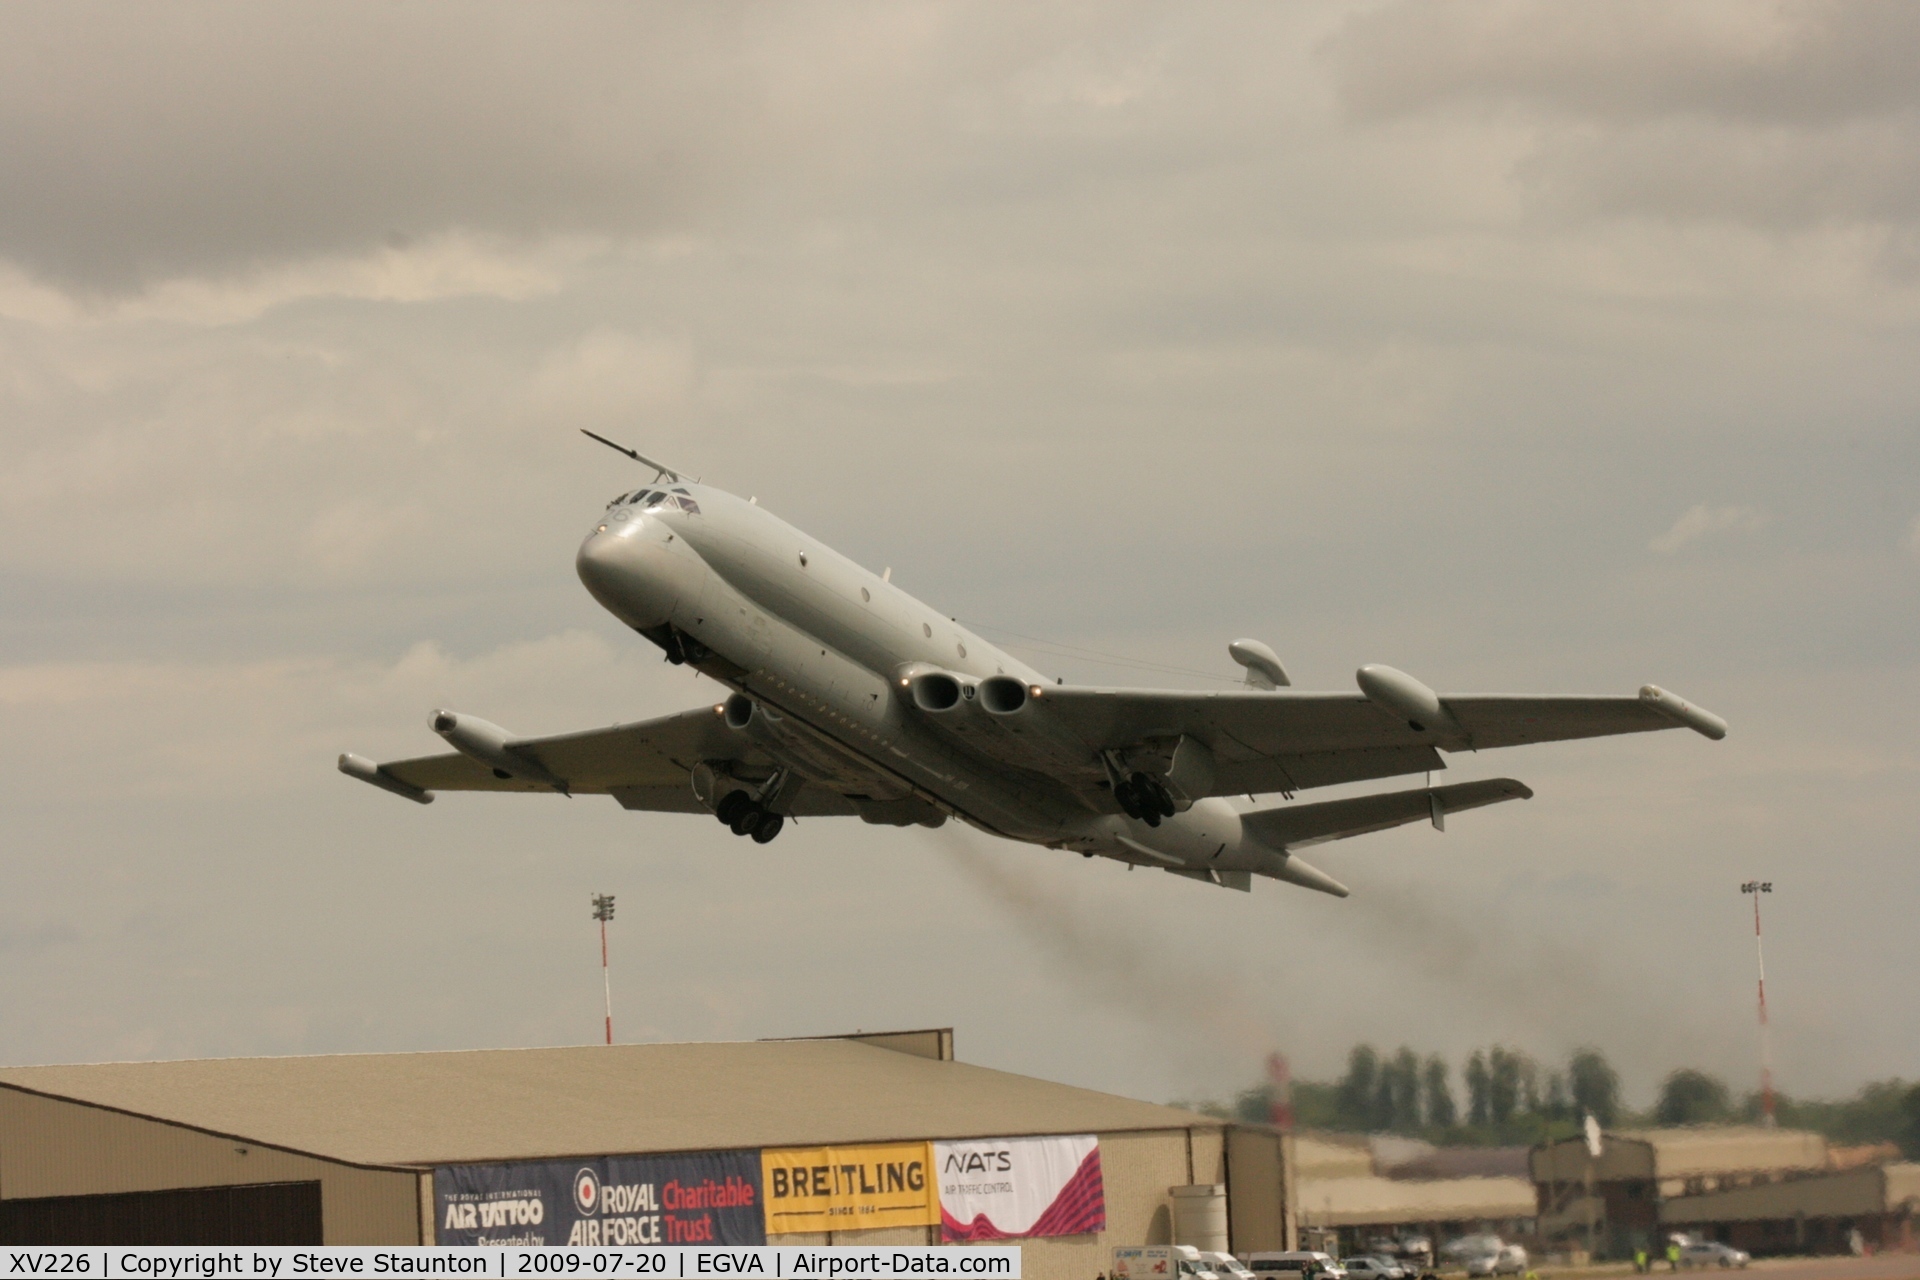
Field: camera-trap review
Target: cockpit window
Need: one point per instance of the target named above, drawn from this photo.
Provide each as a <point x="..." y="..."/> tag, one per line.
<point x="654" y="499"/>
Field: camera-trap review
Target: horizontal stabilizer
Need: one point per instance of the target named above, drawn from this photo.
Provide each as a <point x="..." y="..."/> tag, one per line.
<point x="1298" y="825"/>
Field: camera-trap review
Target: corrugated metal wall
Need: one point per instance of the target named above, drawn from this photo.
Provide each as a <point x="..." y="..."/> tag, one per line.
<point x="1255" y="1192"/>
<point x="50" y="1147"/>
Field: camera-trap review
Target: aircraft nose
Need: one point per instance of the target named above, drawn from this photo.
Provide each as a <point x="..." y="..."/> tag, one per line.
<point x="600" y="563"/>
<point x="619" y="573"/>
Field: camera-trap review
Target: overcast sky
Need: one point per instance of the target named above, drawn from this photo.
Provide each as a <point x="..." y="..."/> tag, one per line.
<point x="1551" y="348"/>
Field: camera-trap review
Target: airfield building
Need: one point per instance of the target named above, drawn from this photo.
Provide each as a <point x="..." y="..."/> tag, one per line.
<point x="1624" y="1194"/>
<point x="793" y="1141"/>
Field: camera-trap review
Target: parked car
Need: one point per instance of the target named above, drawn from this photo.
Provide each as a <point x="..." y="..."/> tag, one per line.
<point x="1464" y="1247"/>
<point x="1711" y="1253"/>
<point x="1371" y="1266"/>
<point x="1507" y="1260"/>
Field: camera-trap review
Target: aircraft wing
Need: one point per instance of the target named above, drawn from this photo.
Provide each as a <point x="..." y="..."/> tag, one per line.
<point x="1283" y="740"/>
<point x="643" y="765"/>
<point x="1299" y="825"/>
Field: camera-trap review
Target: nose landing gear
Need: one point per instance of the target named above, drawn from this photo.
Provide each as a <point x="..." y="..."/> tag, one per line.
<point x="739" y="813"/>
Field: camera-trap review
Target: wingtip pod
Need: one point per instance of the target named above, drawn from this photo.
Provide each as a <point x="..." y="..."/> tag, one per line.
<point x="367" y="771"/>
<point x="1680" y="711"/>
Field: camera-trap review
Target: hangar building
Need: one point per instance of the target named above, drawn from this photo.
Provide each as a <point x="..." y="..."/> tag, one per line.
<point x="1638" y="1172"/>
<point x="1341" y="1201"/>
<point x="790" y="1141"/>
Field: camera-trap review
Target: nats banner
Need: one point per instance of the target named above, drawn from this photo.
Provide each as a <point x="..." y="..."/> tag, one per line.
<point x="849" y="1188"/>
<point x="1009" y="1187"/>
<point x="709" y="1198"/>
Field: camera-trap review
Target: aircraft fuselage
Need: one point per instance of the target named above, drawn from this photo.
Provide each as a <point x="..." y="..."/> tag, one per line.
<point x="826" y="646"/>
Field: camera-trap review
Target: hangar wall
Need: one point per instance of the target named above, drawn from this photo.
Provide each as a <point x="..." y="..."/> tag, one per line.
<point x="54" y="1147"/>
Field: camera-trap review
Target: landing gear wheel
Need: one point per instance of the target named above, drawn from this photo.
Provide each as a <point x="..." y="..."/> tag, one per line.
<point x="731" y="806"/>
<point x="1127" y="798"/>
<point x="767" y="827"/>
<point x="745" y="820"/>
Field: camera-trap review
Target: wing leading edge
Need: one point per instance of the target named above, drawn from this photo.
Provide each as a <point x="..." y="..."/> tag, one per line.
<point x="643" y="765"/>
<point x="1283" y="740"/>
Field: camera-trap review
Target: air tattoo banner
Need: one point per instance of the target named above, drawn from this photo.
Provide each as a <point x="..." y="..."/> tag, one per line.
<point x="1010" y="1187"/>
<point x="849" y="1188"/>
<point x="710" y="1197"/>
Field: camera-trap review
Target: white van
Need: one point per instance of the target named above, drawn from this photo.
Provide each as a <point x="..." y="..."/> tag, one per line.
<point x="1226" y="1266"/>
<point x="1300" y="1263"/>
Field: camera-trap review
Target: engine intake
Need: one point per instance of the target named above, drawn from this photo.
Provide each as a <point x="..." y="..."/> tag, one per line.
<point x="936" y="692"/>
<point x="1003" y="695"/>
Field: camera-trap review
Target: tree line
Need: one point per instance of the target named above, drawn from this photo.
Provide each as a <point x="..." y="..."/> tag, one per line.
<point x="1508" y="1097"/>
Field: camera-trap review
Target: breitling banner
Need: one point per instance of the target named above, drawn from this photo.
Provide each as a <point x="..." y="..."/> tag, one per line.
<point x="849" y="1188"/>
<point x="997" y="1190"/>
<point x="711" y="1197"/>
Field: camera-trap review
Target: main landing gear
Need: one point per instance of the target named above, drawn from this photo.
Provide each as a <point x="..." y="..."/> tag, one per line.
<point x="1144" y="799"/>
<point x="740" y="815"/>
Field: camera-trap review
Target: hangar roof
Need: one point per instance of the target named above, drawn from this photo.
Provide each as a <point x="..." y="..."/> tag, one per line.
<point x="515" y="1104"/>
<point x="1683" y="1153"/>
<point x="1369" y="1201"/>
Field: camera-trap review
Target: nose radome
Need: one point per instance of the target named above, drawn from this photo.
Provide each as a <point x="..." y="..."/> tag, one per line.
<point x="616" y="572"/>
<point x="598" y="564"/>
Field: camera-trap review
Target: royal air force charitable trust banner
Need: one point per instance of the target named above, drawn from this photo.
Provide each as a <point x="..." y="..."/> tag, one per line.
<point x="282" y="1262"/>
<point x="710" y="1197"/>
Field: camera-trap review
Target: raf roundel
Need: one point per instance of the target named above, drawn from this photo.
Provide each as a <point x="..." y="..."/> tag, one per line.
<point x="586" y="1191"/>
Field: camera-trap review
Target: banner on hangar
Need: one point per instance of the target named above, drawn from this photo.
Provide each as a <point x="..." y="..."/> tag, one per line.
<point x="849" y="1188"/>
<point x="999" y="1189"/>
<point x="709" y="1197"/>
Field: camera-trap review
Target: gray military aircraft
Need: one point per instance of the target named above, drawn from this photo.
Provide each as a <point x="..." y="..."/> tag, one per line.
<point x="851" y="698"/>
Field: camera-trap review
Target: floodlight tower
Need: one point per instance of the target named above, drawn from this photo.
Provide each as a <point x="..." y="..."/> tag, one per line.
<point x="603" y="912"/>
<point x="1756" y="888"/>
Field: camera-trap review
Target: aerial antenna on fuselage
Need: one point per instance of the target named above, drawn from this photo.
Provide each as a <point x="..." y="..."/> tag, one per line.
<point x="660" y="468"/>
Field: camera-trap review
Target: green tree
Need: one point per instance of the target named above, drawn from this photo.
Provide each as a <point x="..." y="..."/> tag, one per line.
<point x="1595" y="1085"/>
<point x="1556" y="1106"/>
<point x="1438" y="1094"/>
<point x="1400" y="1079"/>
<point x="1479" y="1090"/>
<point x="1691" y="1097"/>
<point x="1359" y="1088"/>
<point x="1910" y="1130"/>
<point x="1504" y="1068"/>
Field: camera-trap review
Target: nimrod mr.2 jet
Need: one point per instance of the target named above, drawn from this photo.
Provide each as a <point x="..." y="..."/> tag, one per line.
<point x="851" y="698"/>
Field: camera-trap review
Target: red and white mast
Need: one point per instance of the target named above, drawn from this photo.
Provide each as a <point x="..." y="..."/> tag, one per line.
<point x="1756" y="888"/>
<point x="603" y="912"/>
